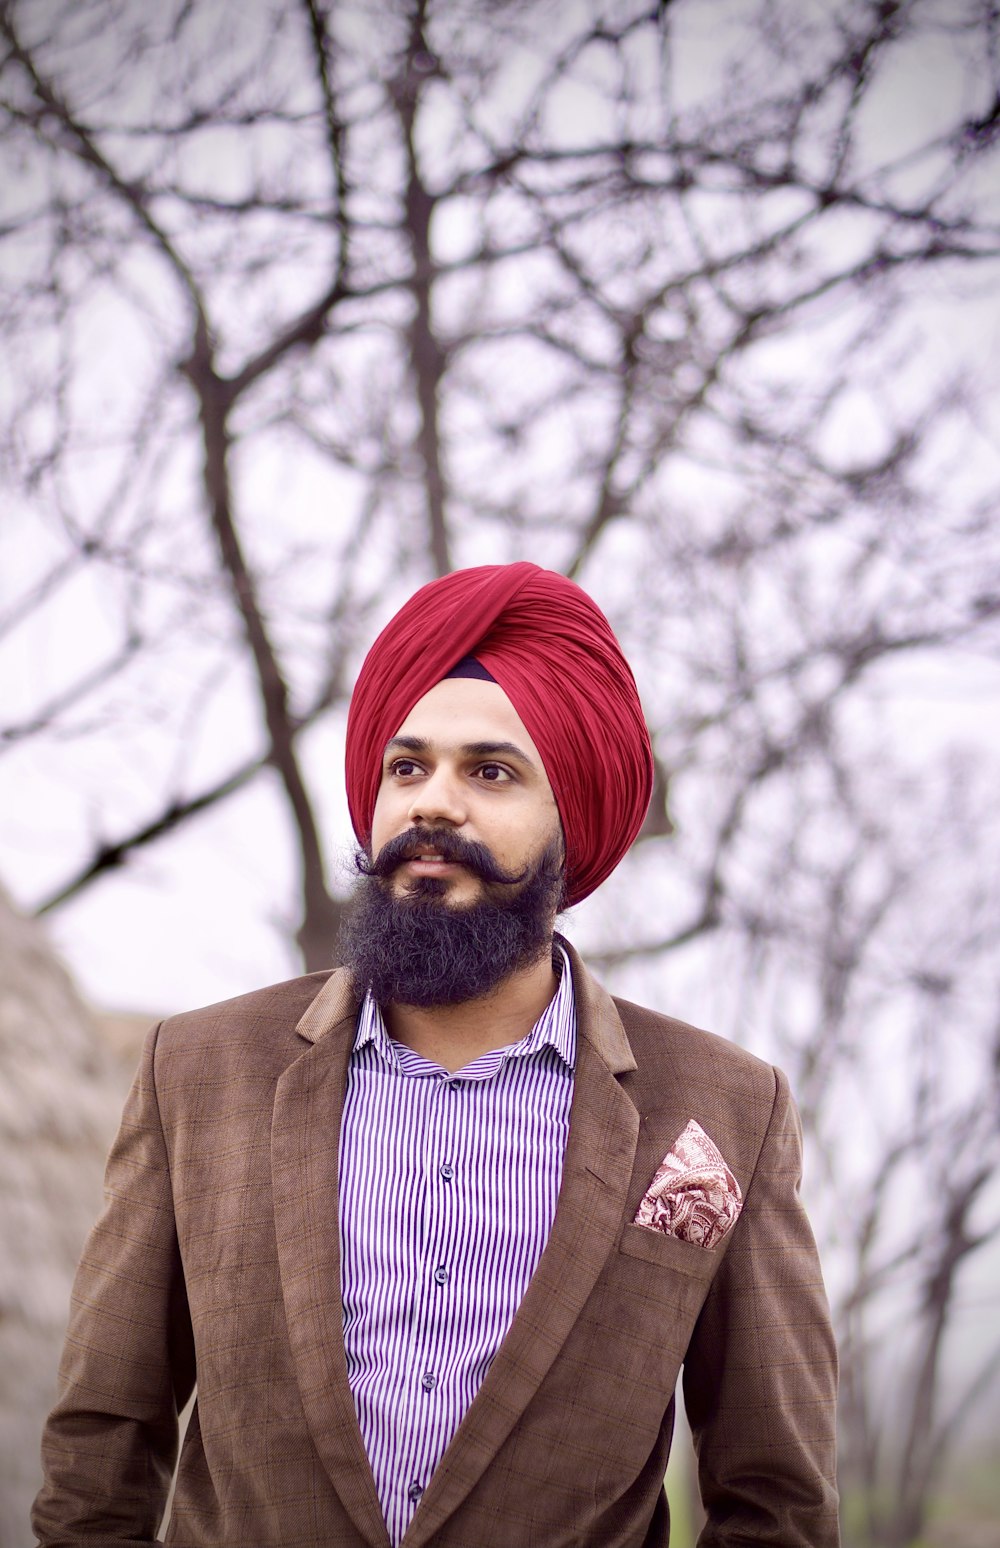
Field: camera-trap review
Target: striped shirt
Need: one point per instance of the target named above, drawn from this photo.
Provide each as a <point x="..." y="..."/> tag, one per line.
<point x="448" y="1189"/>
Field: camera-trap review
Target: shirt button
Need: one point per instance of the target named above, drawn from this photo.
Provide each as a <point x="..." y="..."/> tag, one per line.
<point x="428" y="1381"/>
<point x="415" y="1491"/>
<point x="441" y="1274"/>
<point x="447" y="1171"/>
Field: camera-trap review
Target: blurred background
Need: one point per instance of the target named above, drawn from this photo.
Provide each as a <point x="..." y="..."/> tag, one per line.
<point x="304" y="302"/>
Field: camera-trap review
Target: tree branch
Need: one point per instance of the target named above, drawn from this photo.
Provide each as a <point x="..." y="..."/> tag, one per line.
<point x="112" y="856"/>
<point x="132" y="194"/>
<point x="321" y="912"/>
<point x="427" y="359"/>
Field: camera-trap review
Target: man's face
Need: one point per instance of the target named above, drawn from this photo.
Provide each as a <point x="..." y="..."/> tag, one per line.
<point x="462" y="763"/>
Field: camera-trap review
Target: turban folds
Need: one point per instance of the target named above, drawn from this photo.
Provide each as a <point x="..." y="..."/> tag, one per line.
<point x="552" y="651"/>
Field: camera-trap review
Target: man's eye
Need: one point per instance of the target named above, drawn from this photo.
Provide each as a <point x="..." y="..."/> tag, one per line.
<point x="494" y="773"/>
<point x="404" y="767"/>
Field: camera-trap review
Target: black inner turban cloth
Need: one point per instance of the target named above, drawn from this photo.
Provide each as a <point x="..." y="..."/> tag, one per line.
<point x="552" y="651"/>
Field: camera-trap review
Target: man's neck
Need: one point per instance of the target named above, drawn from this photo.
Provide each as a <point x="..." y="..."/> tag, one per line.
<point x="454" y="1035"/>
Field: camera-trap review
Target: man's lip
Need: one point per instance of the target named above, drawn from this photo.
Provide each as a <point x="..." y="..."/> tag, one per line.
<point x="427" y="865"/>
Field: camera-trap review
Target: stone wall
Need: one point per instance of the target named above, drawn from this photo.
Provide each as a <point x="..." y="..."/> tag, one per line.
<point x="63" y="1078"/>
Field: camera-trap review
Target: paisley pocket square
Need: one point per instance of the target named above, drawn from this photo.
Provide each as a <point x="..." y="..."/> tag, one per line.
<point x="694" y="1196"/>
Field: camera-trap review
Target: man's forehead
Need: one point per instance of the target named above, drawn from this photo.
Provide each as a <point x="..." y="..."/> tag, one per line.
<point x="468" y="712"/>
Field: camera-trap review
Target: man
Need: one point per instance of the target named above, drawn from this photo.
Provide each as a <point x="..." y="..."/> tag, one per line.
<point x="434" y="1234"/>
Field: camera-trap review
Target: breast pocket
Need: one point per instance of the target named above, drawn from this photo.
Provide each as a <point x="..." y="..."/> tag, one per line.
<point x="669" y="1252"/>
<point x="662" y="1284"/>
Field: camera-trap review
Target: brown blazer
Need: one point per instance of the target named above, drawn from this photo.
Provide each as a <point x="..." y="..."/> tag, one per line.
<point x="216" y="1259"/>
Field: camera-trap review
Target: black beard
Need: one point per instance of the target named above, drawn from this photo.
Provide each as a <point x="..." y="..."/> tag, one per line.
<point x="418" y="950"/>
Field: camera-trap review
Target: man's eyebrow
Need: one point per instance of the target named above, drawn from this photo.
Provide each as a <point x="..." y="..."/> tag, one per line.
<point x="499" y="750"/>
<point x="420" y="744"/>
<point x="414" y="744"/>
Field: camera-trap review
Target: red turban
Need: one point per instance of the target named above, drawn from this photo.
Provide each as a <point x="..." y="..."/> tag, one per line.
<point x="552" y="651"/>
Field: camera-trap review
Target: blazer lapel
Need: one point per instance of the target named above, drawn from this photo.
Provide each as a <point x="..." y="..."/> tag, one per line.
<point x="597" y="1172"/>
<point x="305" y="1139"/>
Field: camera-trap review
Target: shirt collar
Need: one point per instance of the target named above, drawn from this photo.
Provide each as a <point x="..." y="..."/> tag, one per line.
<point x="555" y="1027"/>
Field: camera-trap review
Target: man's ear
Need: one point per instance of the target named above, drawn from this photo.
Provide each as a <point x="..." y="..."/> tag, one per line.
<point x="560" y="858"/>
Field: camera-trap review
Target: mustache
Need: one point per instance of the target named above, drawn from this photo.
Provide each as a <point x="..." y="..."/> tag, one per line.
<point x="475" y="857"/>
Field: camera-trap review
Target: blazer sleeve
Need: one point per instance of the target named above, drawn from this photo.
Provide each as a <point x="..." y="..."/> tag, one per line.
<point x="110" y="1443"/>
<point x="760" y="1375"/>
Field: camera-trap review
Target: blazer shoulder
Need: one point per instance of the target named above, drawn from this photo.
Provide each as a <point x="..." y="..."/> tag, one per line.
<point x="259" y="1016"/>
<point x="683" y="1073"/>
<point x="661" y="1043"/>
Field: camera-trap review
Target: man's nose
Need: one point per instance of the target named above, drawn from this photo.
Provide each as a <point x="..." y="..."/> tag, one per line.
<point x="439" y="798"/>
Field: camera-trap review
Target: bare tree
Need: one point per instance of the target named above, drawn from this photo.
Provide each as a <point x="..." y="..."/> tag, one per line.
<point x="875" y="968"/>
<point x="668" y="296"/>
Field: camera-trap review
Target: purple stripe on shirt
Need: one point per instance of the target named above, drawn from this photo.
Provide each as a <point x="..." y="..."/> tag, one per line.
<point x="448" y="1189"/>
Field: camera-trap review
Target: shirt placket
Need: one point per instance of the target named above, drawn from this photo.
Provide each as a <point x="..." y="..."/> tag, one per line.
<point x="427" y="1391"/>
